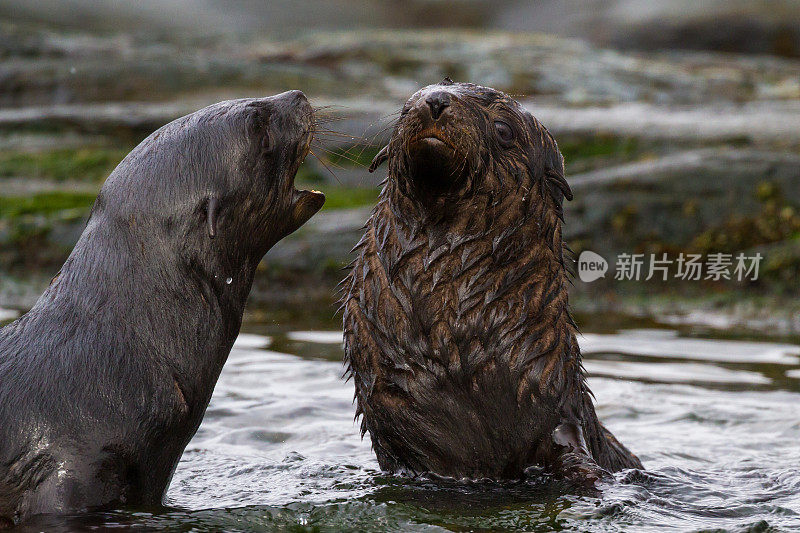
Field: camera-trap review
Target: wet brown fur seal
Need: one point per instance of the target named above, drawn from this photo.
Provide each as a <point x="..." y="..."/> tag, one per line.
<point x="106" y="379"/>
<point x="457" y="331"/>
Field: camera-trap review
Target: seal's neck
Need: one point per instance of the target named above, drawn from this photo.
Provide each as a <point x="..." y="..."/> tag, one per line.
<point x="181" y="315"/>
<point x="522" y="223"/>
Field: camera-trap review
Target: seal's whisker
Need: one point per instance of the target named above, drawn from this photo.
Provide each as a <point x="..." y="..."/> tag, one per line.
<point x="327" y="120"/>
<point x="327" y="160"/>
<point x="397" y="112"/>
<point x="366" y="143"/>
<point x="327" y="117"/>
<point x="328" y="130"/>
<point x="321" y="112"/>
<point x="389" y="124"/>
<point x="322" y="162"/>
<point x="363" y="148"/>
<point x="332" y="106"/>
<point x="386" y="126"/>
<point x="337" y="166"/>
<point x="363" y="142"/>
<point x="338" y="140"/>
<point x="344" y="156"/>
<point x="371" y="142"/>
<point x="347" y="153"/>
<point x="323" y="117"/>
<point x="339" y="134"/>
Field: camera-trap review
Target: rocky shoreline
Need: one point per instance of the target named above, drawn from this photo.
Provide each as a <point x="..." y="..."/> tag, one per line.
<point x="665" y="151"/>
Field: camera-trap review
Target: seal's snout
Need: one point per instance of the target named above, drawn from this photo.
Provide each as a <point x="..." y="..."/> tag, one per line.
<point x="431" y="133"/>
<point x="437" y="103"/>
<point x="294" y="108"/>
<point x="294" y="117"/>
<point x="286" y="123"/>
<point x="304" y="204"/>
<point x="292" y="98"/>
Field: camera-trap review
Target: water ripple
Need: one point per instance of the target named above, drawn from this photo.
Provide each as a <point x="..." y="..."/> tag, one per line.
<point x="716" y="423"/>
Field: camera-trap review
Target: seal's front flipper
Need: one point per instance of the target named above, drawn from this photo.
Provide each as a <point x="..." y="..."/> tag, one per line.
<point x="573" y="460"/>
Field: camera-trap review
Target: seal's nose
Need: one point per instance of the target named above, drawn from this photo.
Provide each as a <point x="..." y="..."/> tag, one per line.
<point x="438" y="101"/>
<point x="292" y="97"/>
<point x="294" y="107"/>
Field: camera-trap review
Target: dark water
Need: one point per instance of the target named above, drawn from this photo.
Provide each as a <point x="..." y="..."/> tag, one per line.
<point x="716" y="422"/>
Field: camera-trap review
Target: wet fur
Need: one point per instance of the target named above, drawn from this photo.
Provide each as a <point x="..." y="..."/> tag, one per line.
<point x="457" y="330"/>
<point x="107" y="378"/>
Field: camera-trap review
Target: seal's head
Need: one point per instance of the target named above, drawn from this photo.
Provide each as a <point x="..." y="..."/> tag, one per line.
<point x="455" y="140"/>
<point x="221" y="178"/>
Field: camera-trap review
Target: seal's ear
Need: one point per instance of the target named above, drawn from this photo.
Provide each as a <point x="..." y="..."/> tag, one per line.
<point x="212" y="210"/>
<point x="557" y="185"/>
<point x="380" y="159"/>
<point x="558" y="188"/>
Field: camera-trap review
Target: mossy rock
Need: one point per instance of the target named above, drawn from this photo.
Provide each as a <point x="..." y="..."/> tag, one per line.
<point x="83" y="164"/>
<point x="44" y="203"/>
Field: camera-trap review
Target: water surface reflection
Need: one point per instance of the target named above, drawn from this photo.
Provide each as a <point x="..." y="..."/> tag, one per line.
<point x="715" y="421"/>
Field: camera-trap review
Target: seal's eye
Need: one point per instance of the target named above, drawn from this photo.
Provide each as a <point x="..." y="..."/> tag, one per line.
<point x="504" y="132"/>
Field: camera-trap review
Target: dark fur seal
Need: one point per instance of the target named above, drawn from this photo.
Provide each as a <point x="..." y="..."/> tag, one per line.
<point x="105" y="380"/>
<point x="457" y="330"/>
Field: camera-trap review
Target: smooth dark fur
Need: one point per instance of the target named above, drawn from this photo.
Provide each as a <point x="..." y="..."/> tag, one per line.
<point x="106" y="379"/>
<point x="458" y="335"/>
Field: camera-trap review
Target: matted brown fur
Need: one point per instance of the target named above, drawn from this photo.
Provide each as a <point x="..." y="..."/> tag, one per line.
<point x="457" y="331"/>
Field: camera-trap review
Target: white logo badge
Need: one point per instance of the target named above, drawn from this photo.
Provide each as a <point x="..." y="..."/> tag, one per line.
<point x="591" y="266"/>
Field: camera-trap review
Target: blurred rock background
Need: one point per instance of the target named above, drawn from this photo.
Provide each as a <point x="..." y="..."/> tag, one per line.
<point x="679" y="122"/>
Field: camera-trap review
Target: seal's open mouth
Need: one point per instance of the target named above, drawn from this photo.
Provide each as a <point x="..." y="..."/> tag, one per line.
<point x="434" y="160"/>
<point x="305" y="203"/>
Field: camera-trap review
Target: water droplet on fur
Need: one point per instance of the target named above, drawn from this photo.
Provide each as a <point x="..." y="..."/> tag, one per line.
<point x="229" y="281"/>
